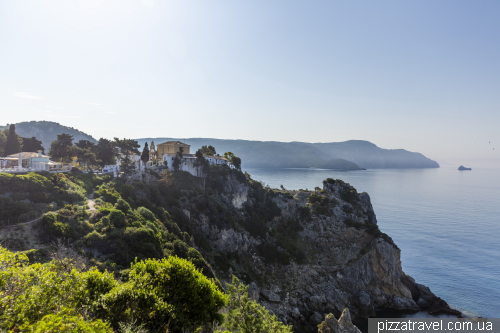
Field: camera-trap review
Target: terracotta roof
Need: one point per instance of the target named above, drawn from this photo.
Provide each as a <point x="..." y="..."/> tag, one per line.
<point x="173" y="143"/>
<point x="26" y="154"/>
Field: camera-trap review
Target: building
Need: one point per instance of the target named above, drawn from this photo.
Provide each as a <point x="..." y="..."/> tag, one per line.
<point x="32" y="161"/>
<point x="172" y="147"/>
<point x="167" y="151"/>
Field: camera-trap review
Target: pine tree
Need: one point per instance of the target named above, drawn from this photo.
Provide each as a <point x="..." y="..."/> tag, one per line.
<point x="32" y="145"/>
<point x="12" y="145"/>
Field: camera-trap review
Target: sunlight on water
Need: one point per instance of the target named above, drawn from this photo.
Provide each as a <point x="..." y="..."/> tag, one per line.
<point x="446" y="222"/>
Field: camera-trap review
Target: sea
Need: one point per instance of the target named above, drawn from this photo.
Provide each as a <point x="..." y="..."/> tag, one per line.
<point x="446" y="223"/>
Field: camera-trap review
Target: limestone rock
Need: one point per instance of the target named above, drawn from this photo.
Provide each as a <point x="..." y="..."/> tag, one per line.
<point x="271" y="296"/>
<point x="400" y="303"/>
<point x="253" y="291"/>
<point x="343" y="325"/>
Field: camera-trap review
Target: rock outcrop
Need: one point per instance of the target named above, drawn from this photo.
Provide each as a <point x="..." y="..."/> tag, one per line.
<point x="337" y="259"/>
<point x="343" y="325"/>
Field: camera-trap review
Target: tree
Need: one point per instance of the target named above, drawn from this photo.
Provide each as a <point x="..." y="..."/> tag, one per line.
<point x="32" y="145"/>
<point x="208" y="150"/>
<point x="86" y="152"/>
<point x="176" y="163"/>
<point x="62" y="149"/>
<point x="247" y="316"/>
<point x="145" y="154"/>
<point x="201" y="164"/>
<point x="13" y="144"/>
<point x="236" y="162"/>
<point x="178" y="159"/>
<point x="127" y="147"/>
<point x="3" y="141"/>
<point x="233" y="160"/>
<point x="106" y="152"/>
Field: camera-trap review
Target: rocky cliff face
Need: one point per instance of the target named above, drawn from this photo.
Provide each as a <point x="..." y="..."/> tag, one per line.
<point x="346" y="261"/>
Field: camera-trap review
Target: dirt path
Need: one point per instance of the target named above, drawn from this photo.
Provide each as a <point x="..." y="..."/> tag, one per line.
<point x="91" y="202"/>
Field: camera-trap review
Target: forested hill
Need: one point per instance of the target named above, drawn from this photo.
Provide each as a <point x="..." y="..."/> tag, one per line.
<point x="270" y="154"/>
<point x="47" y="131"/>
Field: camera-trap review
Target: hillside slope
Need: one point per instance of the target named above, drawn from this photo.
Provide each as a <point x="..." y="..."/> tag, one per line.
<point x="304" y="254"/>
<point x="47" y="131"/>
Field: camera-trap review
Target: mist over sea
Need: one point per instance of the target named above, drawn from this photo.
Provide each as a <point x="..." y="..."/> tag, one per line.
<point x="446" y="223"/>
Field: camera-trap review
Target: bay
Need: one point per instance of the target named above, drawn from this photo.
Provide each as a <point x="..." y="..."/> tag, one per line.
<point x="446" y="223"/>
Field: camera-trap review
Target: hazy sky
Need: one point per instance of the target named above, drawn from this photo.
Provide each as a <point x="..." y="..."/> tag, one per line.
<point x="419" y="75"/>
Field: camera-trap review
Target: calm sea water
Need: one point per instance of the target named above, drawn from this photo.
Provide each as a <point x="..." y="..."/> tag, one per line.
<point x="446" y="222"/>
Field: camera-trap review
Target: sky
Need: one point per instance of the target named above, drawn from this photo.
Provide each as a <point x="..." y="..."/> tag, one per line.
<point x="419" y="75"/>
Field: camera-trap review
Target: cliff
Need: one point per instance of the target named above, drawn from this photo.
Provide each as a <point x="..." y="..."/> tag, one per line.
<point x="303" y="254"/>
<point x="322" y="253"/>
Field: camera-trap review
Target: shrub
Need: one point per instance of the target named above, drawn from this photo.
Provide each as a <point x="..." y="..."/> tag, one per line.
<point x="247" y="316"/>
<point x="123" y="206"/>
<point x="117" y="218"/>
<point x="53" y="227"/>
<point x="146" y="213"/>
<point x="349" y="195"/>
<point x="67" y="322"/>
<point x="166" y="294"/>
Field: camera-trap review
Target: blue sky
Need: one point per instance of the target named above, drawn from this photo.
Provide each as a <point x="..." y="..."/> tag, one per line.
<point x="419" y="75"/>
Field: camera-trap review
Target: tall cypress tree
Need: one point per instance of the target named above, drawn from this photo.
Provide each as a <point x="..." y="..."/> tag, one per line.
<point x="145" y="154"/>
<point x="12" y="145"/>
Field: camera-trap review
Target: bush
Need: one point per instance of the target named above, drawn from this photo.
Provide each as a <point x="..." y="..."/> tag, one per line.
<point x="160" y="294"/>
<point x="53" y="227"/>
<point x="349" y="195"/>
<point x="247" y="316"/>
<point x="66" y="322"/>
<point x="146" y="213"/>
<point x="123" y="206"/>
<point x="117" y="218"/>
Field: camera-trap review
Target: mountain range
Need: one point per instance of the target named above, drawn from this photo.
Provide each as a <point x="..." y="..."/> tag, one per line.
<point x="272" y="154"/>
<point x="347" y="155"/>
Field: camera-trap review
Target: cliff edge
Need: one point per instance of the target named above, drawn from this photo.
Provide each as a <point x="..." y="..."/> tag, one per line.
<point x="321" y="253"/>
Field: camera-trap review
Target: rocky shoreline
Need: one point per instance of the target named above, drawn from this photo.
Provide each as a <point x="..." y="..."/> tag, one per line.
<point x="350" y="263"/>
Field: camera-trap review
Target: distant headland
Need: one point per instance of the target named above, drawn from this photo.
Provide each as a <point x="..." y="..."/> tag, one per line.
<point x="462" y="168"/>
<point x="272" y="154"/>
<point x="348" y="155"/>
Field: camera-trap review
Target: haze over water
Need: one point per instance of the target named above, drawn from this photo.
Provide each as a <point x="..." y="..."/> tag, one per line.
<point x="446" y="223"/>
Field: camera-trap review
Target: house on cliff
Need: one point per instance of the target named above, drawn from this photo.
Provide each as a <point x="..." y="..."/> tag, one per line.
<point x="167" y="151"/>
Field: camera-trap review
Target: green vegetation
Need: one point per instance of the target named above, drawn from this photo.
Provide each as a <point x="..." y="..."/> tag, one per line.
<point x="247" y="316"/>
<point x="233" y="160"/>
<point x="208" y="150"/>
<point x="13" y="144"/>
<point x="25" y="197"/>
<point x="159" y="295"/>
<point x="32" y="145"/>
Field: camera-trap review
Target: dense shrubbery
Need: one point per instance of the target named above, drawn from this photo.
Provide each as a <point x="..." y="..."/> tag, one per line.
<point x="169" y="293"/>
<point x="25" y="197"/>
